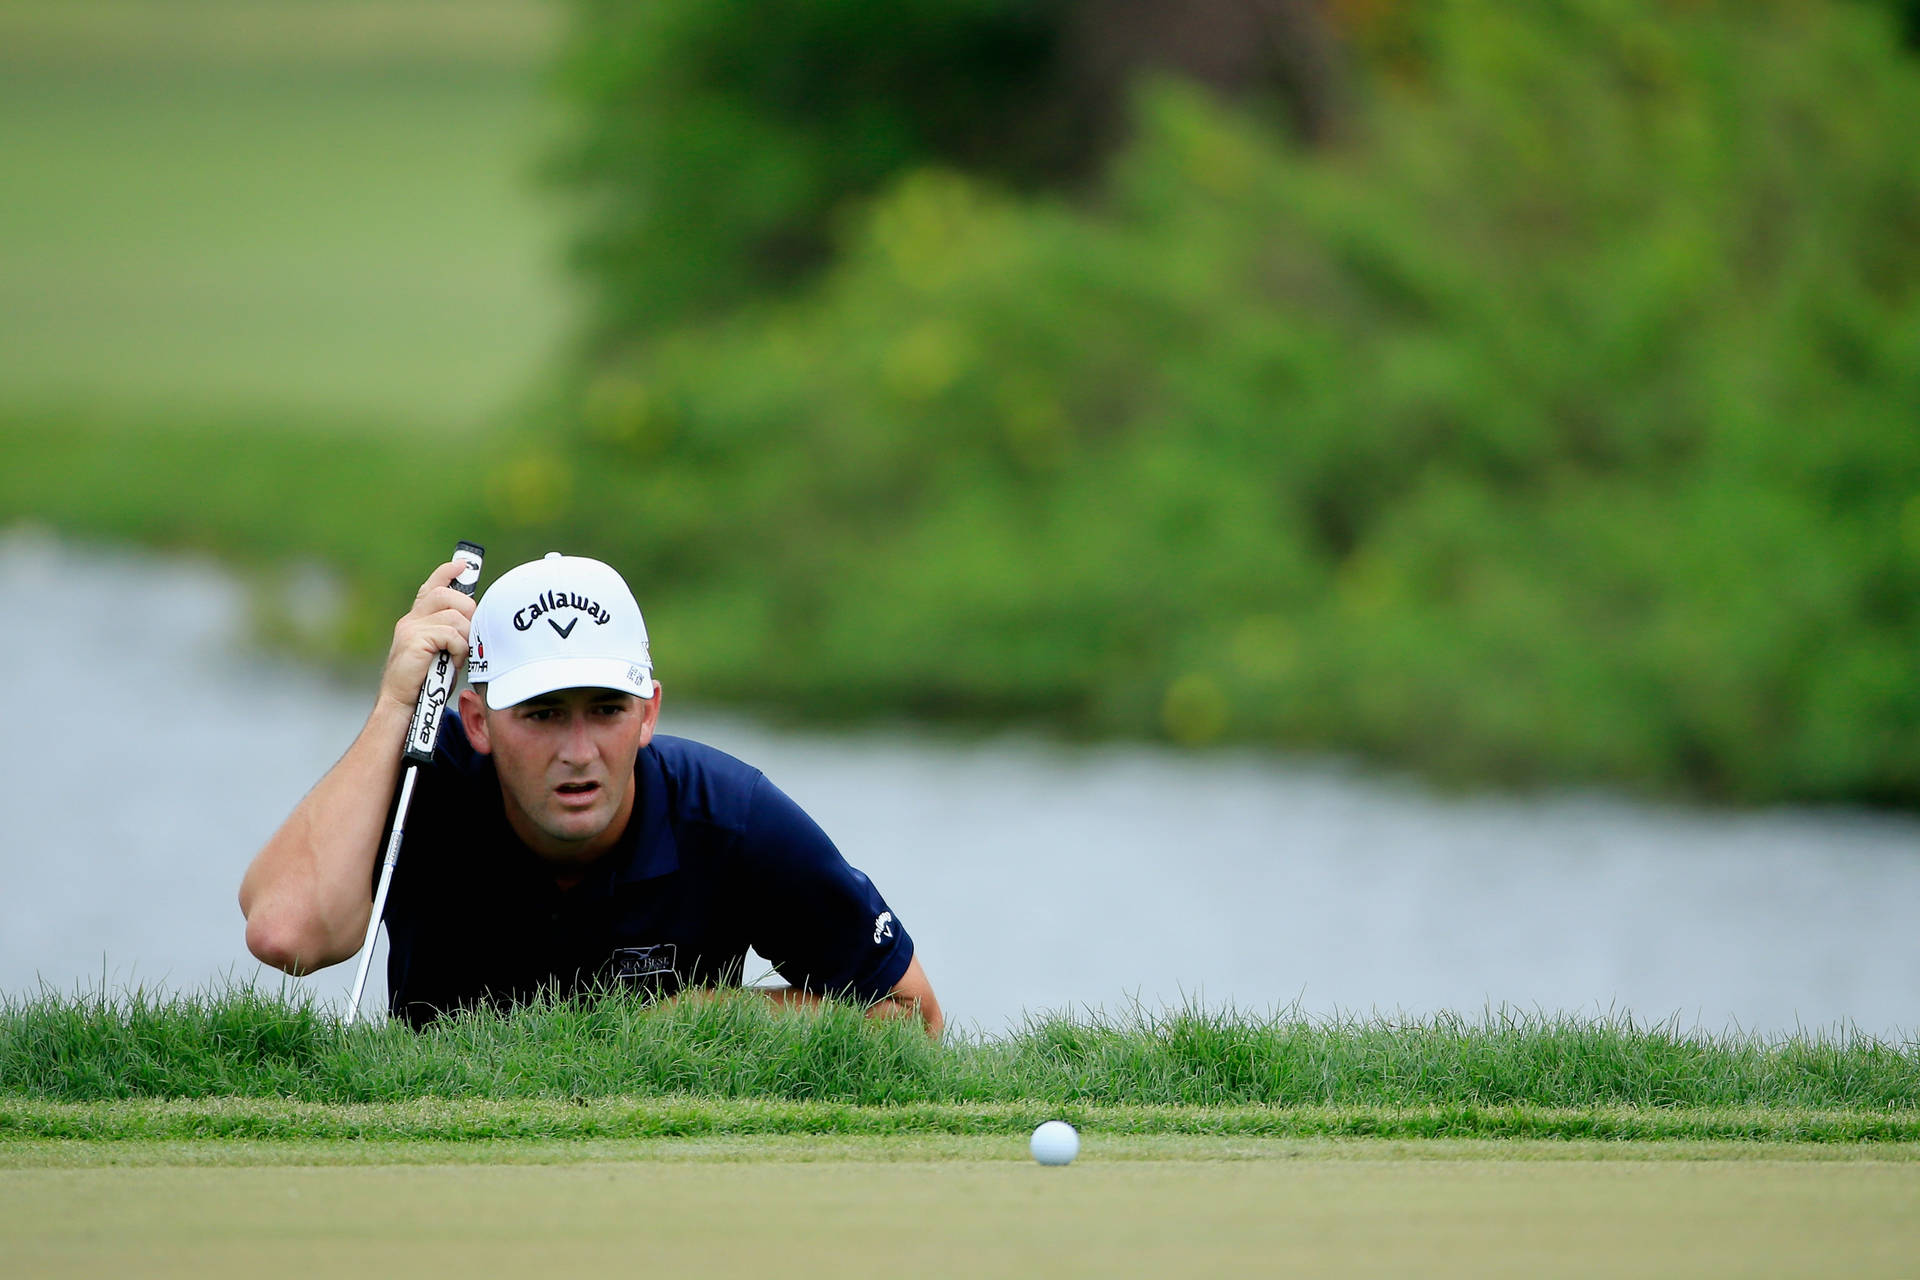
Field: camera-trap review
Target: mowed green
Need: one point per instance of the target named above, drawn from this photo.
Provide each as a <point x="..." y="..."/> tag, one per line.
<point x="959" y="1207"/>
<point x="282" y="210"/>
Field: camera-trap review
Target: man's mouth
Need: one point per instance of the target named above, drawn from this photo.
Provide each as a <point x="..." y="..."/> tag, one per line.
<point x="577" y="789"/>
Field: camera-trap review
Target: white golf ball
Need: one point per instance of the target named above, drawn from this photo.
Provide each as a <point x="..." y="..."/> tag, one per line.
<point x="1054" y="1142"/>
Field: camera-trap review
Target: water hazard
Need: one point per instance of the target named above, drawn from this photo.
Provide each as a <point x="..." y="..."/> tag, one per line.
<point x="148" y="753"/>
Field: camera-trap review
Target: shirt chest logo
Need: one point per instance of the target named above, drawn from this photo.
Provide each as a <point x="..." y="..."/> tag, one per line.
<point x="649" y="969"/>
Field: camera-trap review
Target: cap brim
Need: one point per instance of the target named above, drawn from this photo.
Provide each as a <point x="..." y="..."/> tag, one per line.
<point x="547" y="675"/>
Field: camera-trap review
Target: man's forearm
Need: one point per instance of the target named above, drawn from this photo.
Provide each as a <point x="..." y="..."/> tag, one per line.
<point x="912" y="996"/>
<point x="895" y="1005"/>
<point x="309" y="891"/>
<point x="891" y="1005"/>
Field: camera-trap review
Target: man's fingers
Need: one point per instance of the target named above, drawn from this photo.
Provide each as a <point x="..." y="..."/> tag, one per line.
<point x="451" y="616"/>
<point x="444" y="599"/>
<point x="449" y="630"/>
<point x="435" y="623"/>
<point x="426" y="632"/>
<point x="450" y="638"/>
<point x="407" y="669"/>
<point x="442" y="577"/>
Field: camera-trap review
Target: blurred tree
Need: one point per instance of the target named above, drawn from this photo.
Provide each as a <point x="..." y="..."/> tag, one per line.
<point x="1256" y="52"/>
<point x="1907" y="14"/>
<point x="720" y="139"/>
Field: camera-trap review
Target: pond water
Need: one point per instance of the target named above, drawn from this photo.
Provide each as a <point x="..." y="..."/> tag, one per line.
<point x="148" y="753"/>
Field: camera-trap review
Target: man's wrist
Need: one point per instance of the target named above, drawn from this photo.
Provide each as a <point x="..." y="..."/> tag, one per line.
<point x="389" y="711"/>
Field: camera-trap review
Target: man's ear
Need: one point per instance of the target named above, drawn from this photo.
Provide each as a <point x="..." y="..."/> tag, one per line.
<point x="649" y="715"/>
<point x="473" y="715"/>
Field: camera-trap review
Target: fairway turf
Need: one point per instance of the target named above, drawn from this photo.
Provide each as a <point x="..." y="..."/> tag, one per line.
<point x="961" y="1207"/>
<point x="438" y="1120"/>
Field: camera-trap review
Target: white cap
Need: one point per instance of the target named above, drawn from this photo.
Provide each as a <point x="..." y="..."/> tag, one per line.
<point x="565" y="622"/>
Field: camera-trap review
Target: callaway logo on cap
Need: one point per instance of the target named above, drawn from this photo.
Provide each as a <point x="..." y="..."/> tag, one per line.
<point x="565" y="622"/>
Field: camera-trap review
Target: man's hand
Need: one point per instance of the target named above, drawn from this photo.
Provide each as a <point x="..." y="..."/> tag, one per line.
<point x="441" y="618"/>
<point x="911" y="996"/>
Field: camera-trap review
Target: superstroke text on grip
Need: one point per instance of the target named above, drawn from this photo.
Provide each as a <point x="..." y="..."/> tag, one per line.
<point x="424" y="730"/>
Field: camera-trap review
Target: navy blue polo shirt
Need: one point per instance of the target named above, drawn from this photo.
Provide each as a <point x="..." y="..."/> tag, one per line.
<point x="715" y="859"/>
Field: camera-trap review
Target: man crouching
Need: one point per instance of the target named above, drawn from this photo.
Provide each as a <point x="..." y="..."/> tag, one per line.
<point x="557" y="844"/>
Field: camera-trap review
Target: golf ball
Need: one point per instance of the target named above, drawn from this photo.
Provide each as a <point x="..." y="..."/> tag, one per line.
<point x="1054" y="1142"/>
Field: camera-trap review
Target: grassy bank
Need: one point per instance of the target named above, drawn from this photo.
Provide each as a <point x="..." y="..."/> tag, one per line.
<point x="243" y="1064"/>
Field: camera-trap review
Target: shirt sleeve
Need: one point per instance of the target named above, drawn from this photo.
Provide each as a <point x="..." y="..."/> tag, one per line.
<point x="821" y="923"/>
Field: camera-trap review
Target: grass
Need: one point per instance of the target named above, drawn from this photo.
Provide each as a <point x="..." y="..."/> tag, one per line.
<point x="263" y="497"/>
<point x="964" y="1211"/>
<point x="287" y="209"/>
<point x="224" y="483"/>
<point x="904" y="1148"/>
<point x="127" y="34"/>
<point x="269" y="272"/>
<point x="626" y="1120"/>
<point x="243" y="1064"/>
<point x="201" y="1135"/>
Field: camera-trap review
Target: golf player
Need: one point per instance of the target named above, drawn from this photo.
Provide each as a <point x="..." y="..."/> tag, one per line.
<point x="557" y="843"/>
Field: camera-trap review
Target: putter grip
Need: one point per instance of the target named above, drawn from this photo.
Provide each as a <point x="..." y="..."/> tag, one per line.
<point x="424" y="731"/>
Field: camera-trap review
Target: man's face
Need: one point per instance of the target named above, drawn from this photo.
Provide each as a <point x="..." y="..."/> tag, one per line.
<point x="565" y="762"/>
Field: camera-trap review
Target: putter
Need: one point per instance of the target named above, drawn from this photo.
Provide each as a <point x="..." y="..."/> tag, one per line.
<point x="422" y="732"/>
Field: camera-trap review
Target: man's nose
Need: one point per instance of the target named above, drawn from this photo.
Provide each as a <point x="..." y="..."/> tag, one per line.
<point x="576" y="745"/>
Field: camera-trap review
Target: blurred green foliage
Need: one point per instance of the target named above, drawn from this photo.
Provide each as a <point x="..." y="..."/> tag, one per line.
<point x="1562" y="422"/>
<point x="721" y="135"/>
<point x="1907" y="13"/>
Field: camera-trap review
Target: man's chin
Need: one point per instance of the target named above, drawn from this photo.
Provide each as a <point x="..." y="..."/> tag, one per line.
<point x="566" y="833"/>
<point x="570" y="832"/>
<point x="578" y="828"/>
